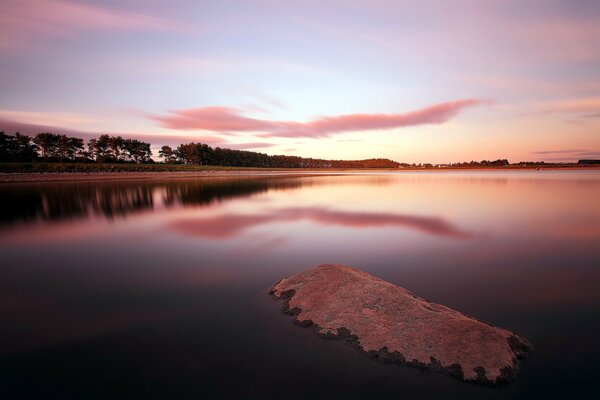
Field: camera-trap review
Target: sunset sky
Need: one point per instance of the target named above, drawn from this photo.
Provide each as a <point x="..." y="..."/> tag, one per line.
<point x="414" y="81"/>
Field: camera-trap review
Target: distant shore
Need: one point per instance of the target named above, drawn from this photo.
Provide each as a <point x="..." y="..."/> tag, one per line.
<point x="150" y="175"/>
<point x="105" y="172"/>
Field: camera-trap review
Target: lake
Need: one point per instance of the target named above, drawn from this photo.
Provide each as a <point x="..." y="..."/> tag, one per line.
<point x="159" y="289"/>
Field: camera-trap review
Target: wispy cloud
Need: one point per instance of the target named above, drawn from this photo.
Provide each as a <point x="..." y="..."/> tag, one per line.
<point x="263" y="97"/>
<point x="596" y="115"/>
<point x="49" y="118"/>
<point x="11" y="126"/>
<point x="28" y="22"/>
<point x="566" y="151"/>
<point x="218" y="119"/>
<point x="494" y="32"/>
<point x="587" y="107"/>
<point x="567" y="154"/>
<point x="225" y="119"/>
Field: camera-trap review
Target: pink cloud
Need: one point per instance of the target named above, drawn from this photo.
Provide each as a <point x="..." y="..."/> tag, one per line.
<point x="26" y="22"/>
<point x="224" y="119"/>
<point x="219" y="119"/>
<point x="436" y="114"/>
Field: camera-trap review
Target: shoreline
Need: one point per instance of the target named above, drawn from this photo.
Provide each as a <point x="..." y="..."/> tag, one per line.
<point x="31" y="177"/>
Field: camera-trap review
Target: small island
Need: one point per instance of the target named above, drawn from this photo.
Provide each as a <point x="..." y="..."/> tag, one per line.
<point x="393" y="325"/>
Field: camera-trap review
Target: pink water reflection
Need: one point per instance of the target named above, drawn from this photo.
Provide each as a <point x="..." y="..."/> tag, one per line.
<point x="231" y="225"/>
<point x="74" y="267"/>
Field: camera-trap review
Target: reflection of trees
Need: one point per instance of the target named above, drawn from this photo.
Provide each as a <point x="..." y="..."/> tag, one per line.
<point x="66" y="201"/>
<point x="60" y="201"/>
<point x="18" y="204"/>
<point x="201" y="193"/>
<point x="121" y="201"/>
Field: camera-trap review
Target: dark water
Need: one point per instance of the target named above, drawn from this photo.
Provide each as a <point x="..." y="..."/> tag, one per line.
<point x="158" y="289"/>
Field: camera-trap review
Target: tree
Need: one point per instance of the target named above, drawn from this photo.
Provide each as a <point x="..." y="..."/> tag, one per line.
<point x="100" y="149"/>
<point x="59" y="147"/>
<point x="17" y="148"/>
<point x="116" y="149"/>
<point x="198" y="153"/>
<point x="116" y="144"/>
<point x="188" y="154"/>
<point x="47" y="143"/>
<point x="167" y="154"/>
<point x="69" y="148"/>
<point x="136" y="150"/>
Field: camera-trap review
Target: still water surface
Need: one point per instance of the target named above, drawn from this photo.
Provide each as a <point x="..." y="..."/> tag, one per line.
<point x="158" y="289"/>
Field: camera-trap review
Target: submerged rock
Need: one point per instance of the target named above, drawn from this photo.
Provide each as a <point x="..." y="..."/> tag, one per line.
<point x="393" y="325"/>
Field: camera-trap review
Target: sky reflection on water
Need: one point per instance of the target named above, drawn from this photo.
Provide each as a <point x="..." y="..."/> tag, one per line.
<point x="90" y="265"/>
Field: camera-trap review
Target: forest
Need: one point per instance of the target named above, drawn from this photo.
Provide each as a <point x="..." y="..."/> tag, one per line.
<point x="54" y="148"/>
<point x="50" y="147"/>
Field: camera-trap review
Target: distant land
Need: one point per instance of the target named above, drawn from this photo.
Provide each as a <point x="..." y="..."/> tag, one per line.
<point x="53" y="153"/>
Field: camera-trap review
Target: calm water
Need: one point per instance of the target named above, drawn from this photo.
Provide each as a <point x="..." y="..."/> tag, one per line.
<point x="158" y="289"/>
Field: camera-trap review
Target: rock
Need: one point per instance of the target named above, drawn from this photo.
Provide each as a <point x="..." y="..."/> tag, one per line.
<point x="392" y="324"/>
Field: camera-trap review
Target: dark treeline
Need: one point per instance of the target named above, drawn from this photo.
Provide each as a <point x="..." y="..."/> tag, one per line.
<point x="532" y="163"/>
<point x="469" y="164"/>
<point x="116" y="149"/>
<point x="17" y="148"/>
<point x="203" y="154"/>
<point x="588" y="162"/>
<point x="51" y="147"/>
<point x="483" y="163"/>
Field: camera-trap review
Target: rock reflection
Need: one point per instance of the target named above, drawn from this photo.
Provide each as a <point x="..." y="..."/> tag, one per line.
<point x="55" y="202"/>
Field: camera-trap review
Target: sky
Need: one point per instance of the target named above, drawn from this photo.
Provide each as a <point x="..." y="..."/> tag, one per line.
<point x="414" y="81"/>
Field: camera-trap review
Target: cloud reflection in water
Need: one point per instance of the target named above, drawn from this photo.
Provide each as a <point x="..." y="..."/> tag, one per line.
<point x="231" y="225"/>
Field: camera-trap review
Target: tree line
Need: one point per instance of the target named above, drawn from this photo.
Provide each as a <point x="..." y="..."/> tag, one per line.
<point x="203" y="154"/>
<point x="50" y="147"/>
<point x="483" y="163"/>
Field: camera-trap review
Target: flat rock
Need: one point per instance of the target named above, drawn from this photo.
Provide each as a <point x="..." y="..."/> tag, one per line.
<point x="393" y="325"/>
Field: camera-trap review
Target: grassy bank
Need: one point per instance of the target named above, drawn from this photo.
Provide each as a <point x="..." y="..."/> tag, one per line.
<point x="42" y="167"/>
<point x="45" y="167"/>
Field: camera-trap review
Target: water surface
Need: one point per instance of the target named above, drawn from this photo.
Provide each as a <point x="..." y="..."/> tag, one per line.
<point x="158" y="289"/>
